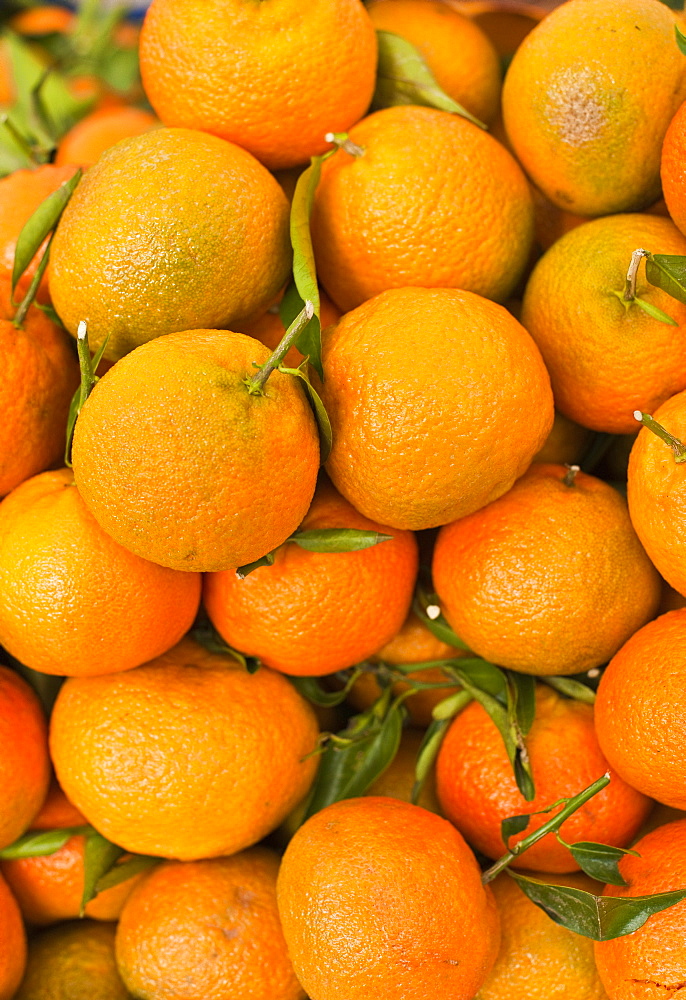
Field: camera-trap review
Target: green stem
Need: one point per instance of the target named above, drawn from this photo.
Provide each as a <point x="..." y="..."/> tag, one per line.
<point x="570" y="475"/>
<point x="256" y="383"/>
<point x="550" y="827"/>
<point x="571" y="688"/>
<point x="341" y="140"/>
<point x="674" y="443"/>
<point x="88" y="378"/>
<point x="25" y="303"/>
<point x="630" y="284"/>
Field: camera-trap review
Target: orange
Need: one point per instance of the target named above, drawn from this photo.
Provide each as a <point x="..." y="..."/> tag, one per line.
<point x="656" y="493"/>
<point x="651" y="962"/>
<point x="24" y="761"/>
<point x="397" y="781"/>
<point x="641" y="710"/>
<point x="313" y="613"/>
<point x="57" y="811"/>
<point x="606" y="357"/>
<point x="13" y="937"/>
<point x="539" y="959"/>
<point x="505" y="22"/>
<point x="414" y="643"/>
<point x="461" y="57"/>
<point x="40" y="374"/>
<point x="548" y="579"/>
<point x="21" y="192"/>
<point x="438" y="401"/>
<point x="201" y="499"/>
<point x="44" y="19"/>
<point x="582" y="123"/>
<point x="49" y="887"/>
<point x="91" y="136"/>
<point x="74" y="602"/>
<point x="224" y="749"/>
<point x="672" y="168"/>
<point x="74" y="961"/>
<point x="275" y="77"/>
<point x="207" y="929"/>
<point x="566" y="443"/>
<point x="365" y="912"/>
<point x="477" y="790"/>
<point x="169" y="230"/>
<point x="432" y="201"/>
<point x="550" y="221"/>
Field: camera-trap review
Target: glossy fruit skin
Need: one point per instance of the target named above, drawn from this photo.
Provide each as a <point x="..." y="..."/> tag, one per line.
<point x="433" y="201"/>
<point x="477" y="790"/>
<point x="249" y="73"/>
<point x="72" y="601"/>
<point x="13" y="937"/>
<point x="313" y="613"/>
<point x="439" y="32"/>
<point x="170" y="230"/>
<point x="206" y="930"/>
<point x="407" y="451"/>
<point x="232" y="487"/>
<point x="656" y="496"/>
<point x="365" y="913"/>
<point x="641" y="710"/>
<point x="606" y="357"/>
<point x="579" y="118"/>
<point x="73" y="961"/>
<point x="85" y="141"/>
<point x="39" y="377"/>
<point x="549" y="578"/>
<point x="651" y="961"/>
<point x="24" y="760"/>
<point x="226" y="749"/>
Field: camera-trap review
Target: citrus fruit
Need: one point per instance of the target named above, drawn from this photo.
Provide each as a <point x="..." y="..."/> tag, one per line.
<point x="224" y="750"/>
<point x="207" y="929"/>
<point x="275" y="77"/>
<point x="641" y="710"/>
<point x="179" y="463"/>
<point x="24" y="760"/>
<point x="57" y="811"/>
<point x="364" y="912"/>
<point x="477" y="790"/>
<point x="672" y="169"/>
<point x="74" y="602"/>
<point x="400" y="457"/>
<point x="577" y="112"/>
<point x="170" y="230"/>
<point x="13" y="937"/>
<point x="73" y="961"/>
<point x="606" y="356"/>
<point x="312" y="613"/>
<point x="397" y="781"/>
<point x="432" y="201"/>
<point x="84" y="143"/>
<point x="548" y="579"/>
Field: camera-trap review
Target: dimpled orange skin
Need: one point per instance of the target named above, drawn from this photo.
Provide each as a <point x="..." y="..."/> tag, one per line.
<point x="170" y="230"/>
<point x="656" y="493"/>
<point x="438" y="401"/>
<point x="548" y="579"/>
<point x="433" y="201"/>
<point x="232" y="487"/>
<point x="40" y="374"/>
<point x="477" y="790"/>
<point x="73" y="961"/>
<point x="13" y="937"/>
<point x="222" y="749"/>
<point x="207" y="930"/>
<point x="24" y="760"/>
<point x="641" y="710"/>
<point x="607" y="358"/>
<point x="381" y="898"/>
<point x="576" y="111"/>
<point x="461" y="57"/>
<point x="672" y="171"/>
<point x="274" y="77"/>
<point x="72" y="601"/>
<point x="85" y="141"/>
<point x="313" y="613"/>
<point x="650" y="963"/>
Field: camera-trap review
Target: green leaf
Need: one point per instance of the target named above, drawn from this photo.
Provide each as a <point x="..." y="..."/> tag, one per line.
<point x="487" y="677"/>
<point x="403" y="77"/>
<point x="427" y="754"/>
<point x="338" y="539"/>
<point x="680" y="39"/>
<point x="450" y="706"/>
<point x="99" y="856"/>
<point x="521" y="699"/>
<point x="39" y="843"/>
<point x="512" y="825"/>
<point x="435" y="622"/>
<point x="15" y="153"/>
<point x="321" y="416"/>
<point x="668" y="272"/>
<point x="653" y="311"/>
<point x="40" y="224"/>
<point x="243" y="571"/>
<point x="600" y="861"/>
<point x="125" y="870"/>
<point x="600" y="918"/>
<point x="310" y="689"/>
<point x="571" y="688"/>
<point x="204" y="633"/>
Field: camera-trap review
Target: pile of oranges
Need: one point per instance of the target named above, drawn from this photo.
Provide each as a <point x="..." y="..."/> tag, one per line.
<point x="343" y="518"/>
